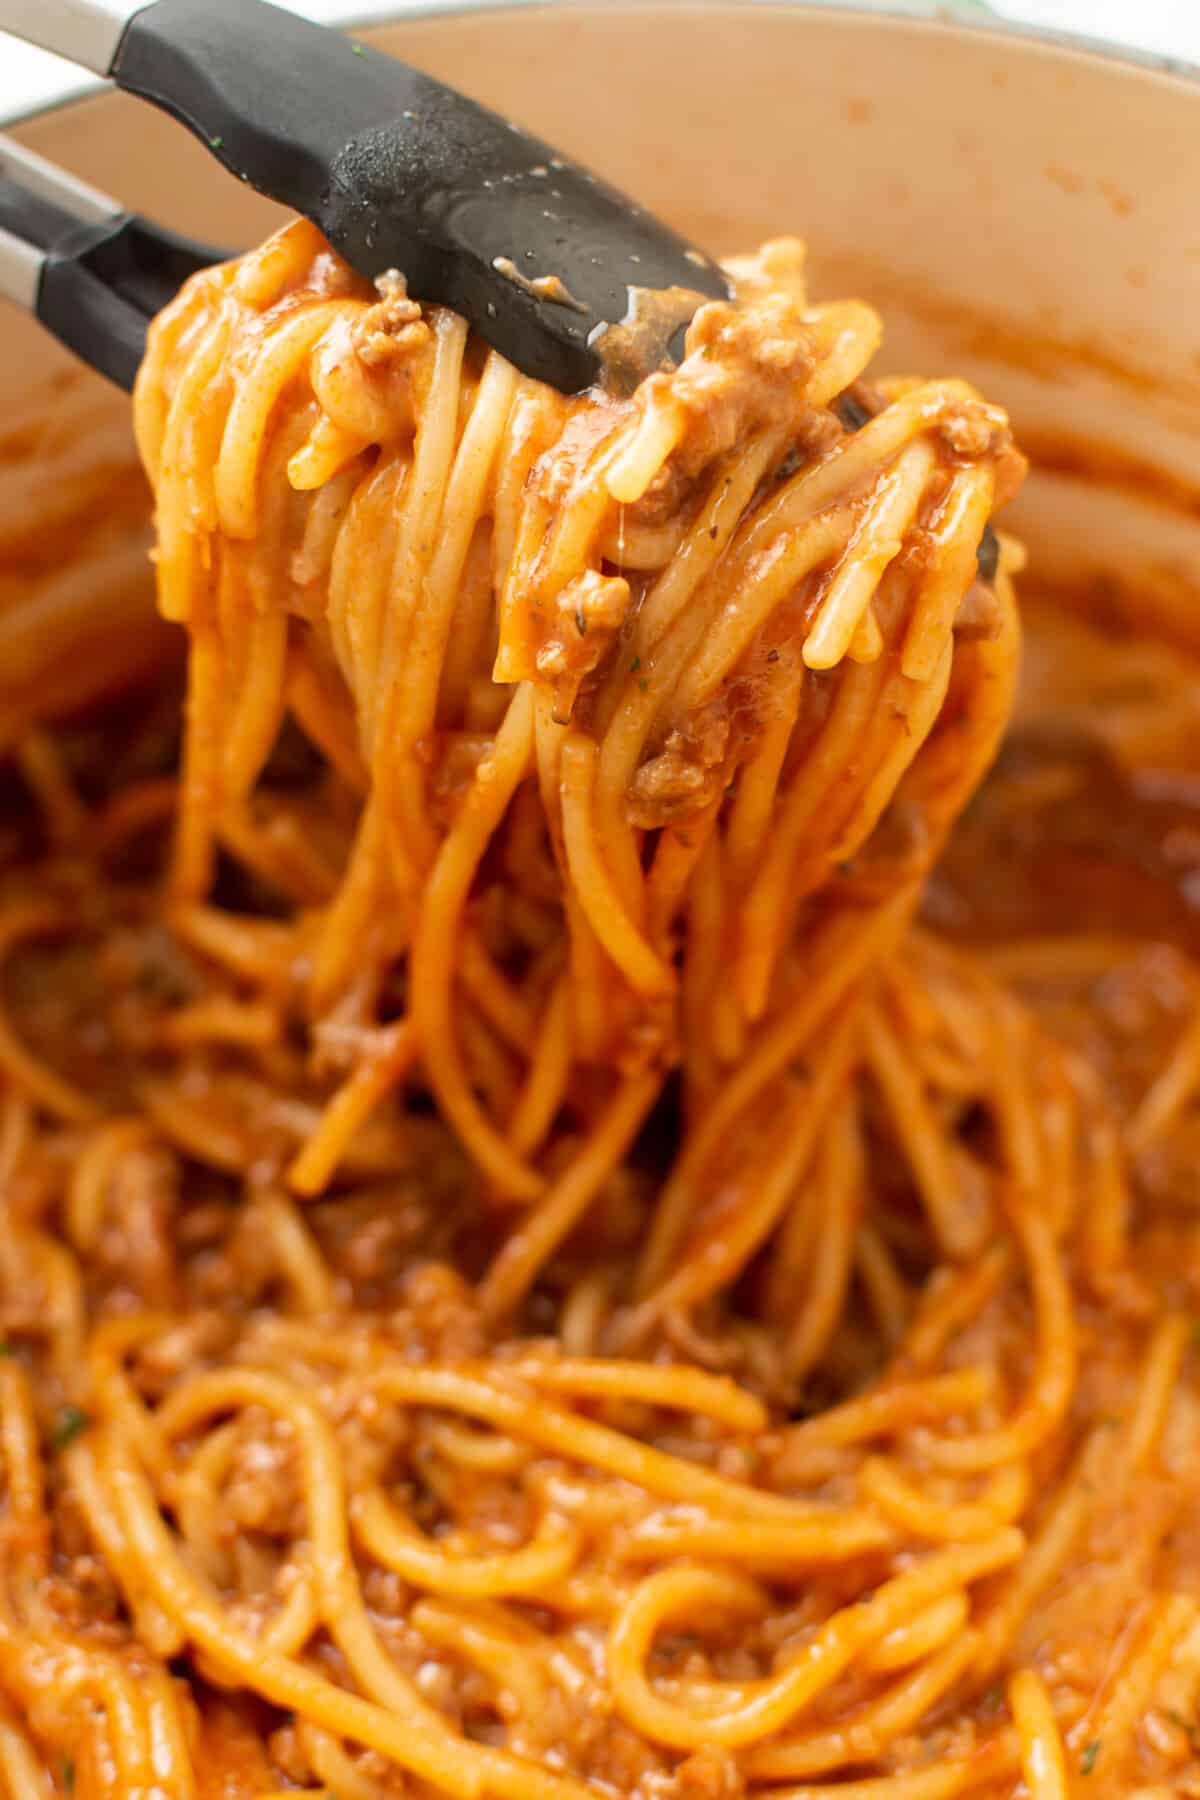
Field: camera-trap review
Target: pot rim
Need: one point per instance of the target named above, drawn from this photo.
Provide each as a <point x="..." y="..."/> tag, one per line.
<point x="973" y="17"/>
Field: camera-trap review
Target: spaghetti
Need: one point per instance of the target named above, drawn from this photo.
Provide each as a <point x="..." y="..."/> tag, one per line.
<point x="528" y="1269"/>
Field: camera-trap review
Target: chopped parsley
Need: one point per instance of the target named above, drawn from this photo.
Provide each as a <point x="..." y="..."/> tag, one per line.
<point x="358" y="50"/>
<point x="1087" y="1761"/>
<point x="71" y="1423"/>
<point x="216" y="142"/>
<point x="68" y="1776"/>
<point x="635" y="665"/>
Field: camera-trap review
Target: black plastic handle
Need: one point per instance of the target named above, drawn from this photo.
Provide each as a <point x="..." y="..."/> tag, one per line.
<point x="90" y="319"/>
<point x="99" y="281"/>
<point x="400" y="171"/>
<point x="102" y="284"/>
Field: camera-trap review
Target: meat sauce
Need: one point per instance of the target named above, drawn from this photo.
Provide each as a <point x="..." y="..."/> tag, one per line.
<point x="1077" y="866"/>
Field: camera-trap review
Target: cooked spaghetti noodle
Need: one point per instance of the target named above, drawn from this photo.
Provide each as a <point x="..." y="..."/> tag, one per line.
<point x="527" y="1270"/>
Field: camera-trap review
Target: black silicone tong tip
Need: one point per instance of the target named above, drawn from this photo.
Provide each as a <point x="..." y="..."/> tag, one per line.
<point x="402" y="172"/>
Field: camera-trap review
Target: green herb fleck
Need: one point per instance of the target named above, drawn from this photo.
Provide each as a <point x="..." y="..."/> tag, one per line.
<point x="359" y="50"/>
<point x="993" y="1697"/>
<point x="644" y="685"/>
<point x="68" y="1776"/>
<point x="581" y="621"/>
<point x="216" y="142"/>
<point x="71" y="1423"/>
<point x="635" y="665"/>
<point x="1087" y="1761"/>
<point x="1196" y="1334"/>
<point x="6" y="1349"/>
<point x="1112" y="1420"/>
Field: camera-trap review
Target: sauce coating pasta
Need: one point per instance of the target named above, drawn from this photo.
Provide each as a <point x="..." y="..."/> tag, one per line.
<point x="565" y="1232"/>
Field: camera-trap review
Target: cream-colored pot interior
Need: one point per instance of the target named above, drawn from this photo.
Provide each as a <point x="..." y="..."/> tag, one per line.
<point x="1024" y="212"/>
